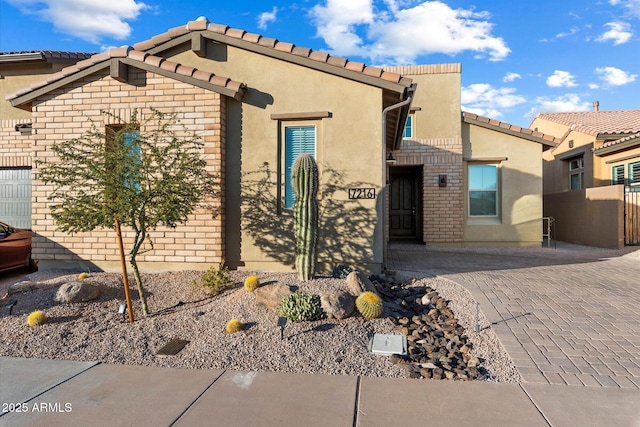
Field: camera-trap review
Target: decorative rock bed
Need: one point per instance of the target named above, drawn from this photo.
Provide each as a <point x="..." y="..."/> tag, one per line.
<point x="437" y="345"/>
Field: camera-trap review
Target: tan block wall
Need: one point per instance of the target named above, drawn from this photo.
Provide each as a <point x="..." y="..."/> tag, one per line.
<point x="443" y="211"/>
<point x="66" y="113"/>
<point x="15" y="148"/>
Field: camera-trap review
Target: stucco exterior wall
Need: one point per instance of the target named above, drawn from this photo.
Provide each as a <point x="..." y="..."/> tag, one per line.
<point x="348" y="152"/>
<point x="520" y="188"/>
<point x="592" y="217"/>
<point x="66" y="113"/>
<point x="606" y="163"/>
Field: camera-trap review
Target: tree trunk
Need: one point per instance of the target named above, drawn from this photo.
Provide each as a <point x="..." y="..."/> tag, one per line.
<point x="141" y="292"/>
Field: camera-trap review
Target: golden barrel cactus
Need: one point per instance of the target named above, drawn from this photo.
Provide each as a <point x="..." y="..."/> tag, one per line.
<point x="233" y="326"/>
<point x="369" y="305"/>
<point x="37" y="318"/>
<point x="251" y="283"/>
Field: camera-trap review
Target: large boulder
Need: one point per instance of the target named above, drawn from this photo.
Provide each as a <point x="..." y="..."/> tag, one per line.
<point x="358" y="283"/>
<point x="77" y="291"/>
<point x="270" y="296"/>
<point x="337" y="305"/>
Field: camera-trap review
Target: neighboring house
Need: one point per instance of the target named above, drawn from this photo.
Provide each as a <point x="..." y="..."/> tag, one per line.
<point x="258" y="103"/>
<point x="17" y="70"/>
<point x="598" y="155"/>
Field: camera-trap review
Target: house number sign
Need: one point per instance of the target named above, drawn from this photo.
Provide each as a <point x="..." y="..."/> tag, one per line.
<point x="362" y="193"/>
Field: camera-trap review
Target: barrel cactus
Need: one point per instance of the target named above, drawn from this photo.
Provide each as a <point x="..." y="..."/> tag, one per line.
<point x="301" y="307"/>
<point x="37" y="318"/>
<point x="251" y="283"/>
<point x="369" y="305"/>
<point x="304" y="176"/>
<point x="233" y="326"/>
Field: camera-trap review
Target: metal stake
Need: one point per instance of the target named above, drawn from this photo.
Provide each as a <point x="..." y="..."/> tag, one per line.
<point x="477" y="318"/>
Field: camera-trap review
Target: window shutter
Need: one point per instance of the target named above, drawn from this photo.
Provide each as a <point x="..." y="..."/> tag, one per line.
<point x="634" y="173"/>
<point x="298" y="140"/>
<point x="617" y="175"/>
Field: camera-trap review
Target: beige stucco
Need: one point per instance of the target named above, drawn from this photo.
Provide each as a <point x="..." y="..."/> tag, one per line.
<point x="519" y="220"/>
<point x="348" y="153"/>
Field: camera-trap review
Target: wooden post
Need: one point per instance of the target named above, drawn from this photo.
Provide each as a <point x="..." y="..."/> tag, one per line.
<point x="125" y="277"/>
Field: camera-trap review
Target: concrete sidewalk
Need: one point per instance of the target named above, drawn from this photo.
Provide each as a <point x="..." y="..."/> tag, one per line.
<point x="65" y="393"/>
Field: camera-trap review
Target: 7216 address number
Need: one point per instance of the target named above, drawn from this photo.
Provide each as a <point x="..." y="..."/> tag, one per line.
<point x="362" y="193"/>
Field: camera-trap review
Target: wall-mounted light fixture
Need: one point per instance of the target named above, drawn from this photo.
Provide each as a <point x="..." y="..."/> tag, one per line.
<point x="23" y="128"/>
<point x="390" y="159"/>
<point x="442" y="180"/>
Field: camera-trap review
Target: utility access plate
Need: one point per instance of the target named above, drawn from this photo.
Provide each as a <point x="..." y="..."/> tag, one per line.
<point x="387" y="344"/>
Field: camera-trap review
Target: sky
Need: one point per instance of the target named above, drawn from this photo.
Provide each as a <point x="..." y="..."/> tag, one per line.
<point x="519" y="58"/>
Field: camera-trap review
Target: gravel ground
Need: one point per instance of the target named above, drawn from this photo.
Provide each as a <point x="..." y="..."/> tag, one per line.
<point x="94" y="331"/>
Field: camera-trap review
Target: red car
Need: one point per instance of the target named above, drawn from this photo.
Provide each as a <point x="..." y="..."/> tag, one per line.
<point x="15" y="248"/>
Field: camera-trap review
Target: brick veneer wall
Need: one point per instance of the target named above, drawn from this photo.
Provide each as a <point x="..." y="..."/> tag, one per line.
<point x="443" y="207"/>
<point x="66" y="113"/>
<point x="15" y="148"/>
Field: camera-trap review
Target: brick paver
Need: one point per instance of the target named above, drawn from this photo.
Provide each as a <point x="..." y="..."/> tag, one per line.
<point x="565" y="316"/>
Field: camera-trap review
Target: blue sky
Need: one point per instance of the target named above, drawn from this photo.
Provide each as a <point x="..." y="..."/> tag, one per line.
<point x="518" y="58"/>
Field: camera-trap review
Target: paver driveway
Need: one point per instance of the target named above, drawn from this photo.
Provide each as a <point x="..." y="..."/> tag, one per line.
<point x="565" y="316"/>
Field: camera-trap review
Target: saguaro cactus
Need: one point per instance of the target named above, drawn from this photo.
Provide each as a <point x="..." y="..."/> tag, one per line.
<point x="304" y="176"/>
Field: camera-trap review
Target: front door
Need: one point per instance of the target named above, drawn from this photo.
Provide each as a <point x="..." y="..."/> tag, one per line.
<point x="404" y="207"/>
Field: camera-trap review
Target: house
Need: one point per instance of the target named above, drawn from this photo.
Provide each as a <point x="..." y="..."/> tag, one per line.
<point x="257" y="103"/>
<point x="589" y="177"/>
<point x="17" y="70"/>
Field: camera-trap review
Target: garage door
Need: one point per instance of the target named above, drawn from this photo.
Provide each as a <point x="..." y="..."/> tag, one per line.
<point x="15" y="197"/>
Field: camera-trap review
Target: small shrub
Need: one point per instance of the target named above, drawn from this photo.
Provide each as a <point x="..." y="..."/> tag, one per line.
<point x="216" y="280"/>
<point x="341" y="271"/>
<point x="233" y="326"/>
<point x="369" y="305"/>
<point x="82" y="276"/>
<point x="37" y="318"/>
<point x="300" y="307"/>
<point x="251" y="283"/>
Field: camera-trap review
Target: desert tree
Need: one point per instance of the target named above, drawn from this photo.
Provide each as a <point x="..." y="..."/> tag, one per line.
<point x="142" y="172"/>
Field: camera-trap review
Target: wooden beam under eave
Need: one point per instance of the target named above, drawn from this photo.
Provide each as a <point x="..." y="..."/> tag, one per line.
<point x="119" y="70"/>
<point x="199" y="45"/>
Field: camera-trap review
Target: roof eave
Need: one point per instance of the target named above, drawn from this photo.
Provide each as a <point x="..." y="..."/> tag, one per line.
<point x="603" y="151"/>
<point x="521" y="135"/>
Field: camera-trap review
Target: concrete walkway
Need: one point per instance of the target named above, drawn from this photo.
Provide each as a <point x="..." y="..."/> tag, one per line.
<point x="567" y="316"/>
<point x="65" y="393"/>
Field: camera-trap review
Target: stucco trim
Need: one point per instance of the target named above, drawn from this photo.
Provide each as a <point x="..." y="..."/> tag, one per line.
<point x="303" y="116"/>
<point x="572" y="155"/>
<point x="485" y="159"/>
<point x="622" y="159"/>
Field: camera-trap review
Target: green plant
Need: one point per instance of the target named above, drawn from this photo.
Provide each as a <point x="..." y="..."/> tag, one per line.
<point x="304" y="176"/>
<point x="369" y="305"/>
<point x="37" y="318"/>
<point x="341" y="271"/>
<point x="215" y="280"/>
<point x="300" y="307"/>
<point x="233" y="326"/>
<point x="251" y="283"/>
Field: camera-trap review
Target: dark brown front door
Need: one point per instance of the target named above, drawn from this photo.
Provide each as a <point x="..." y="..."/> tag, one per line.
<point x="404" y="194"/>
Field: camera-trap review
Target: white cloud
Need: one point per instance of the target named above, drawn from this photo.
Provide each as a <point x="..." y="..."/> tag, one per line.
<point x="615" y="76"/>
<point x="561" y="78"/>
<point x="509" y="77"/>
<point x="594" y="86"/>
<point x="401" y="33"/>
<point x="90" y="20"/>
<point x="619" y="32"/>
<point x="632" y="6"/>
<point x="571" y="32"/>
<point x="486" y="100"/>
<point x="570" y="102"/>
<point x="265" y="17"/>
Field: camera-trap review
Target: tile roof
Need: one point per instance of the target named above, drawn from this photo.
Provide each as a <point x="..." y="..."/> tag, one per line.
<point x="47" y="55"/>
<point x="598" y="123"/>
<point x="546" y="139"/>
<point x="202" y="25"/>
<point x="137" y="56"/>
<point x="631" y="139"/>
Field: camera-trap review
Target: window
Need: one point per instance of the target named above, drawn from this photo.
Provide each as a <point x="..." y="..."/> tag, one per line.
<point x="126" y="159"/>
<point x="634" y="173"/>
<point x="408" y="128"/>
<point x="617" y="175"/>
<point x="483" y="190"/>
<point x="297" y="140"/>
<point x="576" y="173"/>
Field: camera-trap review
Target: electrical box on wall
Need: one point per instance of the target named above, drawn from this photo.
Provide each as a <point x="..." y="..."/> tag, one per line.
<point x="442" y="180"/>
